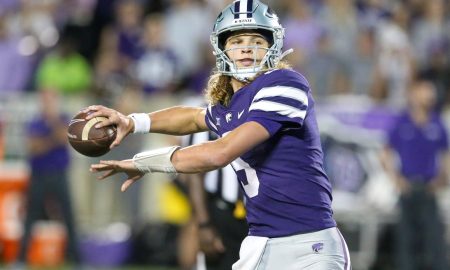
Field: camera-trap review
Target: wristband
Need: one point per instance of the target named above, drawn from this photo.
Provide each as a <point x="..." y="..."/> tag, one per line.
<point x="157" y="160"/>
<point x="142" y="122"/>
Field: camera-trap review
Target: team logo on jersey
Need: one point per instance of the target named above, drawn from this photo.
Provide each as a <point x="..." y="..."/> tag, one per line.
<point x="228" y="117"/>
<point x="240" y="114"/>
<point x="317" y="247"/>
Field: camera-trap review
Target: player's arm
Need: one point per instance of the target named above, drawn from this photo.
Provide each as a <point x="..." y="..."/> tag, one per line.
<point x="197" y="197"/>
<point x="198" y="158"/>
<point x="178" y="120"/>
<point x="216" y="154"/>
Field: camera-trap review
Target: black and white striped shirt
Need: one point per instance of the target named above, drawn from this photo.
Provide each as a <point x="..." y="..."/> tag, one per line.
<point x="222" y="182"/>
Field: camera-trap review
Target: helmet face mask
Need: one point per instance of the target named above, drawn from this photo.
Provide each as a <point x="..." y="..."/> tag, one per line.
<point x="251" y="16"/>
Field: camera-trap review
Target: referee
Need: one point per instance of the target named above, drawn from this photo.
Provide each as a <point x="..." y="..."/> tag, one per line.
<point x="218" y="209"/>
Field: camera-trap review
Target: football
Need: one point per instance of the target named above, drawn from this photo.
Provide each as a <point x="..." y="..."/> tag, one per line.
<point x="88" y="140"/>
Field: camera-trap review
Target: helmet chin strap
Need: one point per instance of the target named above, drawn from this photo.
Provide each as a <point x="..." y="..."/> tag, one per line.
<point x="244" y="74"/>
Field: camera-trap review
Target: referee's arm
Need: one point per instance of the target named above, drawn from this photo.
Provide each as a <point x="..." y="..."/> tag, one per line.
<point x="197" y="197"/>
<point x="210" y="242"/>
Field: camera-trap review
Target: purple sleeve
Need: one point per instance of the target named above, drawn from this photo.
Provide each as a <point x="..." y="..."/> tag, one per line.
<point x="275" y="107"/>
<point x="209" y="120"/>
<point x="271" y="126"/>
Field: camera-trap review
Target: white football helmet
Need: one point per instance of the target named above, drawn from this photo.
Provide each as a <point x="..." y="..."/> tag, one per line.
<point x="247" y="15"/>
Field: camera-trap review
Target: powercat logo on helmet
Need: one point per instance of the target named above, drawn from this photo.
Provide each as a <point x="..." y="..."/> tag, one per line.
<point x="250" y="20"/>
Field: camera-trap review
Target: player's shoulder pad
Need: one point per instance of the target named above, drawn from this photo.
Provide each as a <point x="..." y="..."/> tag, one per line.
<point x="283" y="77"/>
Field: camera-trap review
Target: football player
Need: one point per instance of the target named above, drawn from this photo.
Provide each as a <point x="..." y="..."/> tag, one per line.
<point x="264" y="113"/>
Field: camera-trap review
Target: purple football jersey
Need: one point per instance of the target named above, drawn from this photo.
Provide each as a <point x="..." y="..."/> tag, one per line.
<point x="287" y="191"/>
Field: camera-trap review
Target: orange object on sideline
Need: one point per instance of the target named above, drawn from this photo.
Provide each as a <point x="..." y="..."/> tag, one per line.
<point x="48" y="238"/>
<point x="47" y="246"/>
<point x="13" y="184"/>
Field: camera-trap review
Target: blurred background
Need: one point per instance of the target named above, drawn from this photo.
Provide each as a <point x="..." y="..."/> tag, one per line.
<point x="58" y="56"/>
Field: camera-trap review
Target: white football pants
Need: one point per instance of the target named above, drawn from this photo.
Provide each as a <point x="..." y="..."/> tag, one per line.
<point x="322" y="250"/>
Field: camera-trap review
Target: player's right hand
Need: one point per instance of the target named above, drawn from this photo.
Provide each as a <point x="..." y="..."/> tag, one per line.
<point x="123" y="123"/>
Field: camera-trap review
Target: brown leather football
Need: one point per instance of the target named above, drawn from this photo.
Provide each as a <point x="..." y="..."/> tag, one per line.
<point x="88" y="140"/>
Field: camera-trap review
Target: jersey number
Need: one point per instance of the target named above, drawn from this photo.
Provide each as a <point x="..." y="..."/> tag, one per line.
<point x="247" y="175"/>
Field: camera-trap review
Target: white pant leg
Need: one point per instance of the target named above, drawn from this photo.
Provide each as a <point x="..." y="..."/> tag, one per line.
<point x="252" y="249"/>
<point x="322" y="250"/>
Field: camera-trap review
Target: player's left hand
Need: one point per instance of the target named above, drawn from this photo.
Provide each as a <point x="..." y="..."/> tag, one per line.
<point x="111" y="167"/>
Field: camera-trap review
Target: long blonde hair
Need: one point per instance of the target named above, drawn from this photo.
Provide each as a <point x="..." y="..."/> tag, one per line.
<point x="219" y="90"/>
